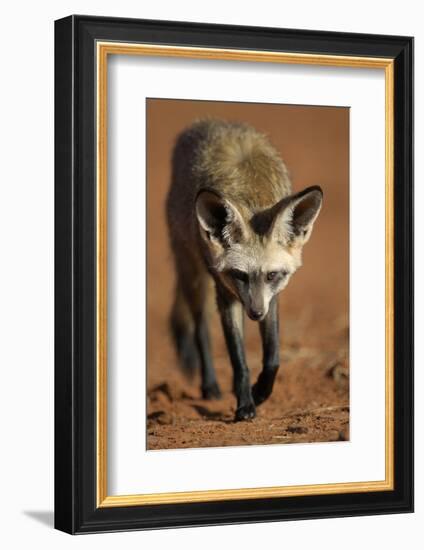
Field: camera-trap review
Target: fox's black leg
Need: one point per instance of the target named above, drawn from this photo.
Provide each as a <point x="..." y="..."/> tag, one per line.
<point x="210" y="388"/>
<point x="195" y="287"/>
<point x="269" y="328"/>
<point x="232" y="323"/>
<point x="182" y="329"/>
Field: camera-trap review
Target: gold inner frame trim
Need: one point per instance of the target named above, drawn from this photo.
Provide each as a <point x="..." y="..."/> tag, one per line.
<point x="103" y="49"/>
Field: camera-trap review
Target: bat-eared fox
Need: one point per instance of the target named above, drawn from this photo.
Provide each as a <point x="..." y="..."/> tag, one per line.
<point x="236" y="231"/>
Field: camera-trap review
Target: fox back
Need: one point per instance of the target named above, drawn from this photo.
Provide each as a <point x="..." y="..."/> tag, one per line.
<point x="232" y="159"/>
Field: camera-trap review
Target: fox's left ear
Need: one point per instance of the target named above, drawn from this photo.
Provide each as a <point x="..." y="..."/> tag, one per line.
<point x="294" y="216"/>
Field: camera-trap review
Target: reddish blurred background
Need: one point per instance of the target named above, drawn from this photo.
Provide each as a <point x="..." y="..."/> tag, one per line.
<point x="314" y="143"/>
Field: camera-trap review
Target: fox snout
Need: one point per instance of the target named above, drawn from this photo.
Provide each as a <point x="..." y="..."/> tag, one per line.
<point x="256" y="308"/>
<point x="256" y="315"/>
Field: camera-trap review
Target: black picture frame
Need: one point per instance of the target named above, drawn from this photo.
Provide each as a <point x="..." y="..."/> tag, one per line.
<point x="76" y="509"/>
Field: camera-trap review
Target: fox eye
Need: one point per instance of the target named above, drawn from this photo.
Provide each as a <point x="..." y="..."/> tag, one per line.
<point x="239" y="275"/>
<point x="271" y="275"/>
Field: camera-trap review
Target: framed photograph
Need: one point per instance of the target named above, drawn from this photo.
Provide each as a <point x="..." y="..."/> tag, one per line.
<point x="234" y="274"/>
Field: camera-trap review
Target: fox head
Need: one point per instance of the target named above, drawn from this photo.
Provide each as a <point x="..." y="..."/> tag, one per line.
<point x="253" y="255"/>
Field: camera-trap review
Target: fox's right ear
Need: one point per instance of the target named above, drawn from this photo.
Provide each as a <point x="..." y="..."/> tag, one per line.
<point x="219" y="220"/>
<point x="294" y="216"/>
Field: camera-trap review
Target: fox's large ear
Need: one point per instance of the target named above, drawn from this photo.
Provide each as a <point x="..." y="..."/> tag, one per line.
<point x="294" y="216"/>
<point x="219" y="220"/>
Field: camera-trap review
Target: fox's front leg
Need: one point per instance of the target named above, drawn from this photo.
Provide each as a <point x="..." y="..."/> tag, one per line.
<point x="232" y="318"/>
<point x="269" y="328"/>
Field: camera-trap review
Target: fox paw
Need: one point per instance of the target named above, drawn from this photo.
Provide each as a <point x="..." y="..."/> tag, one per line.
<point x="246" y="412"/>
<point x="263" y="387"/>
<point x="211" y="392"/>
<point x="260" y="394"/>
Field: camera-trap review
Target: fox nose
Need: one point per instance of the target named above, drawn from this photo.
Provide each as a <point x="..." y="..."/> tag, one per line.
<point x="255" y="314"/>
